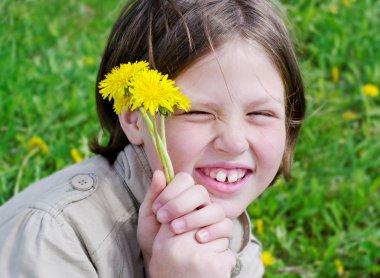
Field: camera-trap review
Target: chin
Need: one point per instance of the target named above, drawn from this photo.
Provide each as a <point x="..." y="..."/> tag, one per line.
<point x="231" y="209"/>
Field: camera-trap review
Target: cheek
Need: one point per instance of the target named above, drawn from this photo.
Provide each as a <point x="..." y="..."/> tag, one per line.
<point x="272" y="148"/>
<point x="185" y="144"/>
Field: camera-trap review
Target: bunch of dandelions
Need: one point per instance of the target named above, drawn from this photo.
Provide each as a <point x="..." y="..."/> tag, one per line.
<point x="136" y="86"/>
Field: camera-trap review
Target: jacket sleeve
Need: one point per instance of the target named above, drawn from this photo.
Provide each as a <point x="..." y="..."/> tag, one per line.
<point x="249" y="264"/>
<point x="35" y="244"/>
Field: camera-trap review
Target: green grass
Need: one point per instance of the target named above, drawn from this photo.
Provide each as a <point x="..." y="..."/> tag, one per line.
<point x="329" y="211"/>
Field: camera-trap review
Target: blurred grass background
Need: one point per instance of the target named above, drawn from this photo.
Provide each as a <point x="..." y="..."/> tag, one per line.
<point x="325" y="222"/>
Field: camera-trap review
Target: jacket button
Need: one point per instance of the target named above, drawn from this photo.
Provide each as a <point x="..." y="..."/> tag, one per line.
<point x="82" y="182"/>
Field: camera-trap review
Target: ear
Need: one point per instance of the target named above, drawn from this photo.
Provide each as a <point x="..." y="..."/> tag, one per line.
<point x="129" y="122"/>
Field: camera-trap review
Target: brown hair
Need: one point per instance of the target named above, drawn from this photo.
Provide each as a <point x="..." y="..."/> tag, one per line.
<point x="171" y="34"/>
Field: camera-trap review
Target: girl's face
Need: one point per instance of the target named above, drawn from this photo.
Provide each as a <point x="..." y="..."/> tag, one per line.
<point x="233" y="139"/>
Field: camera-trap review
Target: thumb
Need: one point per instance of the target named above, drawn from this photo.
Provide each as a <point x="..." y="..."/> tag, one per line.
<point x="157" y="185"/>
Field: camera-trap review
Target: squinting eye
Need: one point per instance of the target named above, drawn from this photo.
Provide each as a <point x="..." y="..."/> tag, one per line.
<point x="198" y="116"/>
<point x="261" y="113"/>
<point x="261" y="117"/>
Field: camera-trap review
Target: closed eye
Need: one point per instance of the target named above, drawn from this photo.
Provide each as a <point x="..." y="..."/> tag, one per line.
<point x="198" y="116"/>
<point x="262" y="117"/>
<point x="261" y="113"/>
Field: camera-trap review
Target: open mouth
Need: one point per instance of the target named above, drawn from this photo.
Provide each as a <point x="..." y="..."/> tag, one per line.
<point x="226" y="176"/>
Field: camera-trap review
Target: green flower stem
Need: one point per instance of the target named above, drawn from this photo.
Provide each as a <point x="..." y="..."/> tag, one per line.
<point x="160" y="150"/>
<point x="163" y="135"/>
<point x="159" y="145"/>
<point x="149" y="123"/>
<point x="153" y="132"/>
<point x="22" y="168"/>
<point x="367" y="125"/>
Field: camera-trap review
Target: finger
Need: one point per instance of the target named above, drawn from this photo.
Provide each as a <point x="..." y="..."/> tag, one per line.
<point x="164" y="233"/>
<point x="218" y="245"/>
<point x="157" y="185"/>
<point x="222" y="229"/>
<point x="181" y="182"/>
<point x="205" y="216"/>
<point x="193" y="198"/>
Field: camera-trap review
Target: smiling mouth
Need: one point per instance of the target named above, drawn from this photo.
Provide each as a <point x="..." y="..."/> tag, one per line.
<point x="227" y="176"/>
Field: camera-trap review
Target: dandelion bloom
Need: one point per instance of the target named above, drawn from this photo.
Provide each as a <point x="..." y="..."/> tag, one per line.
<point x="334" y="10"/>
<point x="347" y="3"/>
<point x="39" y="144"/>
<point x="335" y="74"/>
<point x="153" y="91"/>
<point x="260" y="227"/>
<point x="135" y="86"/>
<point x="75" y="155"/>
<point x="339" y="267"/>
<point x="370" y="90"/>
<point x="120" y="104"/>
<point x="88" y="60"/>
<point x="349" y="115"/>
<point x="116" y="82"/>
<point x="267" y="258"/>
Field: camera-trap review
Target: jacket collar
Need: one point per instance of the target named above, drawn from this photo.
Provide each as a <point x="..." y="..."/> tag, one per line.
<point x="133" y="168"/>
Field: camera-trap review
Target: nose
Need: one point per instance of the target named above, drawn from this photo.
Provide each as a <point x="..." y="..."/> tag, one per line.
<point x="231" y="139"/>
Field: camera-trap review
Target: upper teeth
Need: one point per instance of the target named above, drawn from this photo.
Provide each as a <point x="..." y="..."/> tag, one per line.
<point x="231" y="175"/>
<point x="221" y="176"/>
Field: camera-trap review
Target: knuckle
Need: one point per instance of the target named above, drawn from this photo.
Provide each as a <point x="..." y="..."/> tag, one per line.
<point x="173" y="209"/>
<point x="225" y="242"/>
<point x="202" y="191"/>
<point x="184" y="177"/>
<point x="229" y="225"/>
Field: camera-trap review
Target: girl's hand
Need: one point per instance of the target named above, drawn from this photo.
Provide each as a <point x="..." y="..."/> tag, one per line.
<point x="187" y="206"/>
<point x="183" y="256"/>
<point x="148" y="226"/>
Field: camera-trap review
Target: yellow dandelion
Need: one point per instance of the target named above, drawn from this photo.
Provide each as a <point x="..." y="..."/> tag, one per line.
<point x="260" y="227"/>
<point x="135" y="86"/>
<point x="39" y="144"/>
<point x="115" y="83"/>
<point x="370" y="90"/>
<point x="335" y="74"/>
<point x="267" y="258"/>
<point x="334" y="10"/>
<point x="120" y="104"/>
<point x="349" y="115"/>
<point x="75" y="155"/>
<point x="339" y="267"/>
<point x="153" y="91"/>
<point x="88" y="60"/>
<point x="347" y="3"/>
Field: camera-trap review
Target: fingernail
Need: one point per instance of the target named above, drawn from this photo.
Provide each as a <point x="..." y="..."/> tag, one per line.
<point x="203" y="235"/>
<point x="178" y="225"/>
<point x="156" y="206"/>
<point x="162" y="216"/>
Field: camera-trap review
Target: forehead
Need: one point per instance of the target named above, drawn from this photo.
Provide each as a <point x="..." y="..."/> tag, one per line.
<point x="238" y="69"/>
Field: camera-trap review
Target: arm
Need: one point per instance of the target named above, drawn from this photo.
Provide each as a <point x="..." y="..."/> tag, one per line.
<point x="35" y="244"/>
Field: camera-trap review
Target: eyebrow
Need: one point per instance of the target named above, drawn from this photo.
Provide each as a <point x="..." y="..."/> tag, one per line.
<point x="254" y="103"/>
<point x="264" y="100"/>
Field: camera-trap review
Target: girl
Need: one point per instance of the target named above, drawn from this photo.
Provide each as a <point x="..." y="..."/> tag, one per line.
<point x="111" y="216"/>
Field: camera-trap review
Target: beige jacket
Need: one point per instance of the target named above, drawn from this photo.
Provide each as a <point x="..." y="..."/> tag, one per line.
<point x="81" y="222"/>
